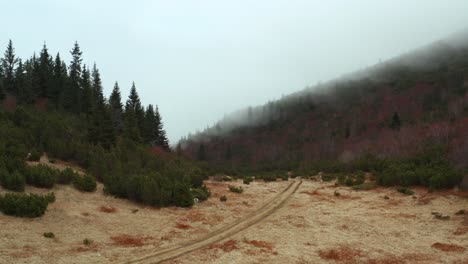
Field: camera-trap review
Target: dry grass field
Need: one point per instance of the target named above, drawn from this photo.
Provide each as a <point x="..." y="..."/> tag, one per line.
<point x="312" y="226"/>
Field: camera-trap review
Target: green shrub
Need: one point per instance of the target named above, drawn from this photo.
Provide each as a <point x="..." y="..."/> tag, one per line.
<point x="247" y="180"/>
<point x="12" y="181"/>
<point x="201" y="194"/>
<point x="329" y="177"/>
<point x="34" y="156"/>
<point x="66" y="176"/>
<point x="25" y="205"/>
<point x="336" y="193"/>
<point x="49" y="235"/>
<point x="269" y="177"/>
<point x="364" y="186"/>
<point x="85" y="183"/>
<point x="235" y="189"/>
<point x="41" y="176"/>
<point x="223" y="198"/>
<point x="405" y="191"/>
<point x="87" y="241"/>
<point x="227" y="178"/>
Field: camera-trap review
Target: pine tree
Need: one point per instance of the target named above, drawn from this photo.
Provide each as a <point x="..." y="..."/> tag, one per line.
<point x="150" y="131"/>
<point x="116" y="109"/>
<point x="396" y="122"/>
<point x="2" y="91"/>
<point x="87" y="94"/>
<point x="21" y="83"/>
<point x="201" y="152"/>
<point x="9" y="64"/>
<point x="131" y="124"/>
<point x="161" y="139"/>
<point x="45" y="72"/>
<point x="99" y="100"/>
<point x="26" y="91"/>
<point x="135" y="103"/>
<point x="72" y="100"/>
<point x="60" y="81"/>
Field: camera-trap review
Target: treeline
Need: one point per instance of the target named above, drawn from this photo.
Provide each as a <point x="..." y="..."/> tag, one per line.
<point x="49" y="107"/>
<point x="48" y="83"/>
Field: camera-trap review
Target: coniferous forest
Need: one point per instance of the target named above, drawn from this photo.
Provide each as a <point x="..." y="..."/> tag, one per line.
<point x="49" y="106"/>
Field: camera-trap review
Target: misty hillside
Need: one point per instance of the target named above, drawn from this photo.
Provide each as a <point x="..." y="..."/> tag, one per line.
<point x="391" y="110"/>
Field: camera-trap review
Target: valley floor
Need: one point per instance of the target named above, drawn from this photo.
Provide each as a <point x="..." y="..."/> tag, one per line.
<point x="312" y="226"/>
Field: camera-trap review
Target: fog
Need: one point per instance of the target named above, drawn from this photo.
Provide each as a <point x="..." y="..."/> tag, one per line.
<point x="199" y="60"/>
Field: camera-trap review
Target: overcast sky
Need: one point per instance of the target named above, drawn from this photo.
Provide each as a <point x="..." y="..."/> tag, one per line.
<point x="200" y="59"/>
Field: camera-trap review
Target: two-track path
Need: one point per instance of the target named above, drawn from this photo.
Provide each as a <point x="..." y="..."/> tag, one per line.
<point x="225" y="232"/>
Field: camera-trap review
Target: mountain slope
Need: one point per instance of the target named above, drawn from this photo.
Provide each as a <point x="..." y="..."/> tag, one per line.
<point x="390" y="110"/>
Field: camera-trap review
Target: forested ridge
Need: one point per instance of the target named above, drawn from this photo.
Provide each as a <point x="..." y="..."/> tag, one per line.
<point x="405" y="119"/>
<point x="49" y="106"/>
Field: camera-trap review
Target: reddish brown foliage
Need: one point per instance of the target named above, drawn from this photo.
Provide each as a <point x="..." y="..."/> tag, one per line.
<point x="227" y="246"/>
<point x="129" y="241"/>
<point x="107" y="209"/>
<point x="9" y="104"/>
<point x="461" y="231"/>
<point x="259" y="244"/>
<point x="448" y="247"/>
<point x="341" y="254"/>
<point x="182" y="226"/>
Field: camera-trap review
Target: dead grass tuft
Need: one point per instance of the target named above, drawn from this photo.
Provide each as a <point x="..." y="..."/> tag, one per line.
<point x="182" y="226"/>
<point x="461" y="231"/>
<point x="448" y="247"/>
<point x="259" y="244"/>
<point x="129" y="241"/>
<point x="341" y="254"/>
<point x="107" y="209"/>
<point x="227" y="246"/>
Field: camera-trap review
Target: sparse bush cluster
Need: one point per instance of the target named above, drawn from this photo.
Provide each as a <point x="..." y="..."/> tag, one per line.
<point x="351" y="179"/>
<point x="41" y="176"/>
<point x="25" y="205"/>
<point x="85" y="183"/>
<point x="247" y="180"/>
<point x="201" y="194"/>
<point x="34" y="155"/>
<point x="66" y="176"/>
<point x="235" y="189"/>
<point x="223" y="198"/>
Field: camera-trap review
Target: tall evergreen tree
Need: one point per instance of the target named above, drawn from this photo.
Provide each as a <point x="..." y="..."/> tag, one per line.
<point x="72" y="100"/>
<point x="99" y="100"/>
<point x="87" y="94"/>
<point x="45" y="73"/>
<point x="2" y="91"/>
<point x="135" y="103"/>
<point x="116" y="109"/>
<point x="9" y="64"/>
<point x="60" y="81"/>
<point x="161" y="139"/>
<point x="22" y="86"/>
<point x="150" y="131"/>
<point x="396" y="122"/>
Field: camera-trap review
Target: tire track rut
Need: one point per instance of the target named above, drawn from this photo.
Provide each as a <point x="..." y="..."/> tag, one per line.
<point x="224" y="232"/>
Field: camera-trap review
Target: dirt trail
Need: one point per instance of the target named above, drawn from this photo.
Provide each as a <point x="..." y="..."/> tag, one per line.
<point x="222" y="233"/>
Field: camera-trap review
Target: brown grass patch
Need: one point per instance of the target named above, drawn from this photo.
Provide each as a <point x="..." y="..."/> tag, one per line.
<point x="195" y="216"/>
<point x="107" y="209"/>
<point x="85" y="214"/>
<point x="259" y="244"/>
<point x="425" y="199"/>
<point x="406" y="258"/>
<point x="340" y="254"/>
<point x="347" y="197"/>
<point x="315" y="192"/>
<point x="227" y="246"/>
<point x="461" y="231"/>
<point x="129" y="241"/>
<point x="182" y="226"/>
<point x="448" y="247"/>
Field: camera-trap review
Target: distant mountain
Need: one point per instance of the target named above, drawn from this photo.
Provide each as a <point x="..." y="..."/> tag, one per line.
<point x="389" y="110"/>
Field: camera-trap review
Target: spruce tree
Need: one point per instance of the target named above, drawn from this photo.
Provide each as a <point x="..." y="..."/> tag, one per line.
<point x="116" y="109"/>
<point x="9" y="64"/>
<point x="72" y="100"/>
<point x="150" y="131"/>
<point x="135" y="103"/>
<point x="396" y="122"/>
<point x="99" y="100"/>
<point x="60" y="81"/>
<point x="161" y="139"/>
<point x="21" y="83"/>
<point x="2" y="91"/>
<point x="45" y="73"/>
<point x="87" y="94"/>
